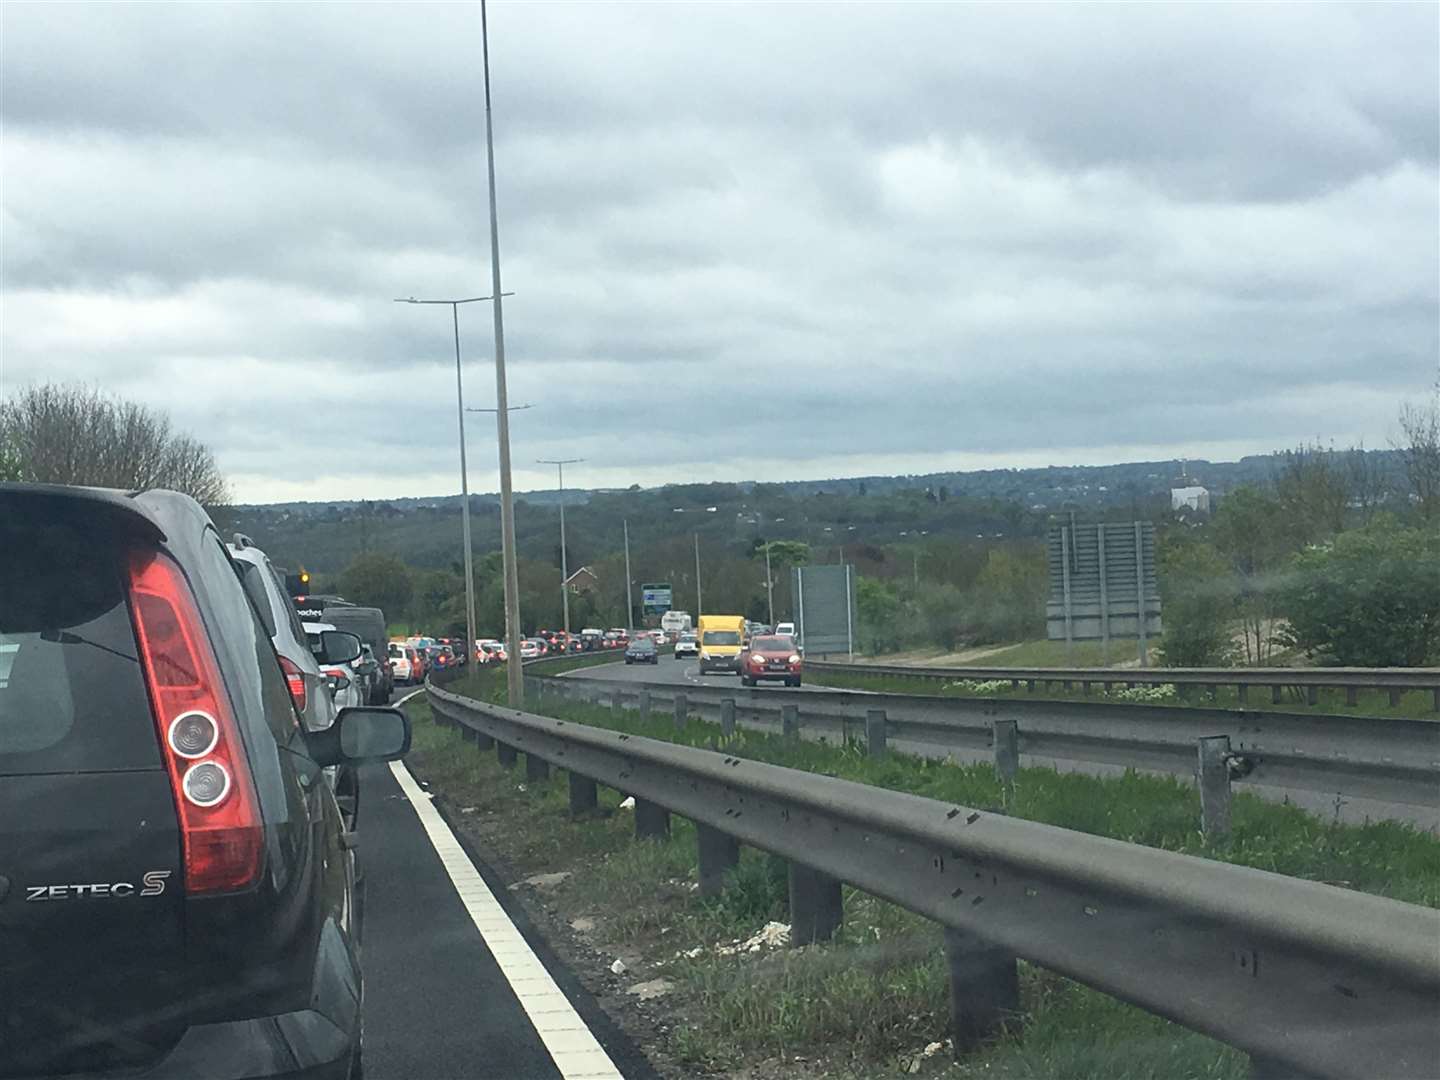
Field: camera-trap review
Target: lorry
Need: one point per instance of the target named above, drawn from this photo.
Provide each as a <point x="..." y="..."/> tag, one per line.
<point x="675" y="623"/>
<point x="721" y="639"/>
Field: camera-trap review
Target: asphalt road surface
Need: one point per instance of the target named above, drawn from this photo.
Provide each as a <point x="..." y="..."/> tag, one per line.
<point x="672" y="672"/>
<point x="438" y="1002"/>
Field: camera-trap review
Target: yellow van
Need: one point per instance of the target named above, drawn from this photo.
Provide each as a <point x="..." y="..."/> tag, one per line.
<point x="721" y="638"/>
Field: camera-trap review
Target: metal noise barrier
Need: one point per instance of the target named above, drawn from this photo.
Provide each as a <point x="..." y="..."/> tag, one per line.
<point x="1307" y="978"/>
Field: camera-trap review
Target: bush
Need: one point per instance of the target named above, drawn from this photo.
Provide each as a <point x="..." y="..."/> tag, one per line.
<point x="1371" y="598"/>
<point x="1199" y="592"/>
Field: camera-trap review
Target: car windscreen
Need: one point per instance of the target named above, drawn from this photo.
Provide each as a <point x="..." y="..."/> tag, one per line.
<point x="772" y="645"/>
<point x="72" y="692"/>
<point x="643" y="645"/>
<point x="722" y="637"/>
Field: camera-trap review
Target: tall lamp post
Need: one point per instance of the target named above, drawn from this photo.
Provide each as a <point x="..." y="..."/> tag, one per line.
<point x="514" y="675"/>
<point x="564" y="562"/>
<point x="464" y="471"/>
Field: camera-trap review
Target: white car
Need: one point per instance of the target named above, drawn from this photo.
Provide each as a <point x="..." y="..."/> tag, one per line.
<point x="785" y="629"/>
<point x="344" y="686"/>
<point x="400" y="667"/>
<point x="687" y="645"/>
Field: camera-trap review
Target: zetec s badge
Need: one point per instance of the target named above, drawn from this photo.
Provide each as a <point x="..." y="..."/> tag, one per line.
<point x="152" y="883"/>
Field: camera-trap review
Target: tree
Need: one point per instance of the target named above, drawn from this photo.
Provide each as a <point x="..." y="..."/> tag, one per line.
<point x="10" y="467"/>
<point x="878" y="610"/>
<point x="1421" y="451"/>
<point x="1313" y="490"/>
<point x="1369" y="599"/>
<point x="1008" y="601"/>
<point x="1197" y="587"/>
<point x="378" y="580"/>
<point x="1253" y="533"/>
<point x="68" y="434"/>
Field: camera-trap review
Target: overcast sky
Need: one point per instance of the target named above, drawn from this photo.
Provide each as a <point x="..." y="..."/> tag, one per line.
<point x="746" y="242"/>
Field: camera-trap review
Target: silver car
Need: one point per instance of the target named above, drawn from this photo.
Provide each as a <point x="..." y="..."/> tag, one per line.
<point x="308" y="685"/>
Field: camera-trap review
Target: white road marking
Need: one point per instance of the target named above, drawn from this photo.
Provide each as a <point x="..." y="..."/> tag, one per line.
<point x="408" y="696"/>
<point x="572" y="1046"/>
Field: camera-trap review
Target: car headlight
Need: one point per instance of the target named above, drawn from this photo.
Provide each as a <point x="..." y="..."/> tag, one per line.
<point x="794" y="658"/>
<point x="704" y="655"/>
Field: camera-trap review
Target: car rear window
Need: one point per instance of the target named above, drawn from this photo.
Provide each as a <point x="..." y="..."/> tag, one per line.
<point x="72" y="692"/>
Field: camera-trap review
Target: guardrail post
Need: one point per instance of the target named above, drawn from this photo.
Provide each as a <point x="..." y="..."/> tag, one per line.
<point x="1435" y="693"/>
<point x="505" y="753"/>
<point x="536" y="768"/>
<point x="1312" y="695"/>
<point x="617" y="704"/>
<point x="719" y="852"/>
<point x="1242" y="691"/>
<point x="875" y="732"/>
<point x="1006" y="742"/>
<point x="584" y="798"/>
<point x="790" y="721"/>
<point x="1275" y="694"/>
<point x="481" y="740"/>
<point x="816" y="906"/>
<point x="1395" y="698"/>
<point x="682" y="710"/>
<point x="727" y="717"/>
<point x="1030" y="685"/>
<point x="1352" y="695"/>
<point x="652" y="821"/>
<point x="1215" y="786"/>
<point x="644" y="705"/>
<point x="984" y="988"/>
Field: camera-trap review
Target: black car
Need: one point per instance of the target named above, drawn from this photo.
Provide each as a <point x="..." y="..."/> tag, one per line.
<point x="642" y="651"/>
<point x="177" y="893"/>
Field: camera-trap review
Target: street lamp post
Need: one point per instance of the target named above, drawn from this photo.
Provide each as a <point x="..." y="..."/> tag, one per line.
<point x="464" y="471"/>
<point x="514" y="675"/>
<point x="629" y="597"/>
<point x="564" y="562"/>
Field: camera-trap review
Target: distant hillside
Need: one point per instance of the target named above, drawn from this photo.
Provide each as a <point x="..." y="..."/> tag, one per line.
<point x="873" y="510"/>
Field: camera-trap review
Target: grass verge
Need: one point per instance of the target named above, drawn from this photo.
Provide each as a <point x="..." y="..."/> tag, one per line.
<point x="1414" y="705"/>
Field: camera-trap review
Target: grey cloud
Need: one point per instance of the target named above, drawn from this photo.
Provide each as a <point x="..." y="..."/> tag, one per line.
<point x="832" y="231"/>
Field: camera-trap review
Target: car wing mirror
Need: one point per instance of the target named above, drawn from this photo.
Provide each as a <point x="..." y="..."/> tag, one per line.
<point x="360" y="735"/>
<point x="338" y="647"/>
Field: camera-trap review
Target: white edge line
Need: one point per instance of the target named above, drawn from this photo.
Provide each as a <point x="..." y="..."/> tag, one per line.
<point x="571" y="1045"/>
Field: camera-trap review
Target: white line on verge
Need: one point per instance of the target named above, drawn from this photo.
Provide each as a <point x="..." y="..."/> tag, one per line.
<point x="572" y="1046"/>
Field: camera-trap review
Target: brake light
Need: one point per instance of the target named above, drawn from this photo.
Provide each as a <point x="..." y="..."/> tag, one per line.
<point x="209" y="775"/>
<point x="295" y="680"/>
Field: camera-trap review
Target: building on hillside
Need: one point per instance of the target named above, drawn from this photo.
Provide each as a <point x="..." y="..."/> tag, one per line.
<point x="582" y="581"/>
<point x="1194" y="499"/>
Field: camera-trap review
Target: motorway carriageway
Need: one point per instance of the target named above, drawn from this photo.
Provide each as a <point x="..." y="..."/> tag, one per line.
<point x="457" y="982"/>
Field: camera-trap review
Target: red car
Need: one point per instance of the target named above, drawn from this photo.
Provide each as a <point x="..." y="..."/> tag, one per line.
<point x="770" y="657"/>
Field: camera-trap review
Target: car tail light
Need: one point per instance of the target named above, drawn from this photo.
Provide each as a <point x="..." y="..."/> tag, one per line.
<point x="200" y="739"/>
<point x="295" y="680"/>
